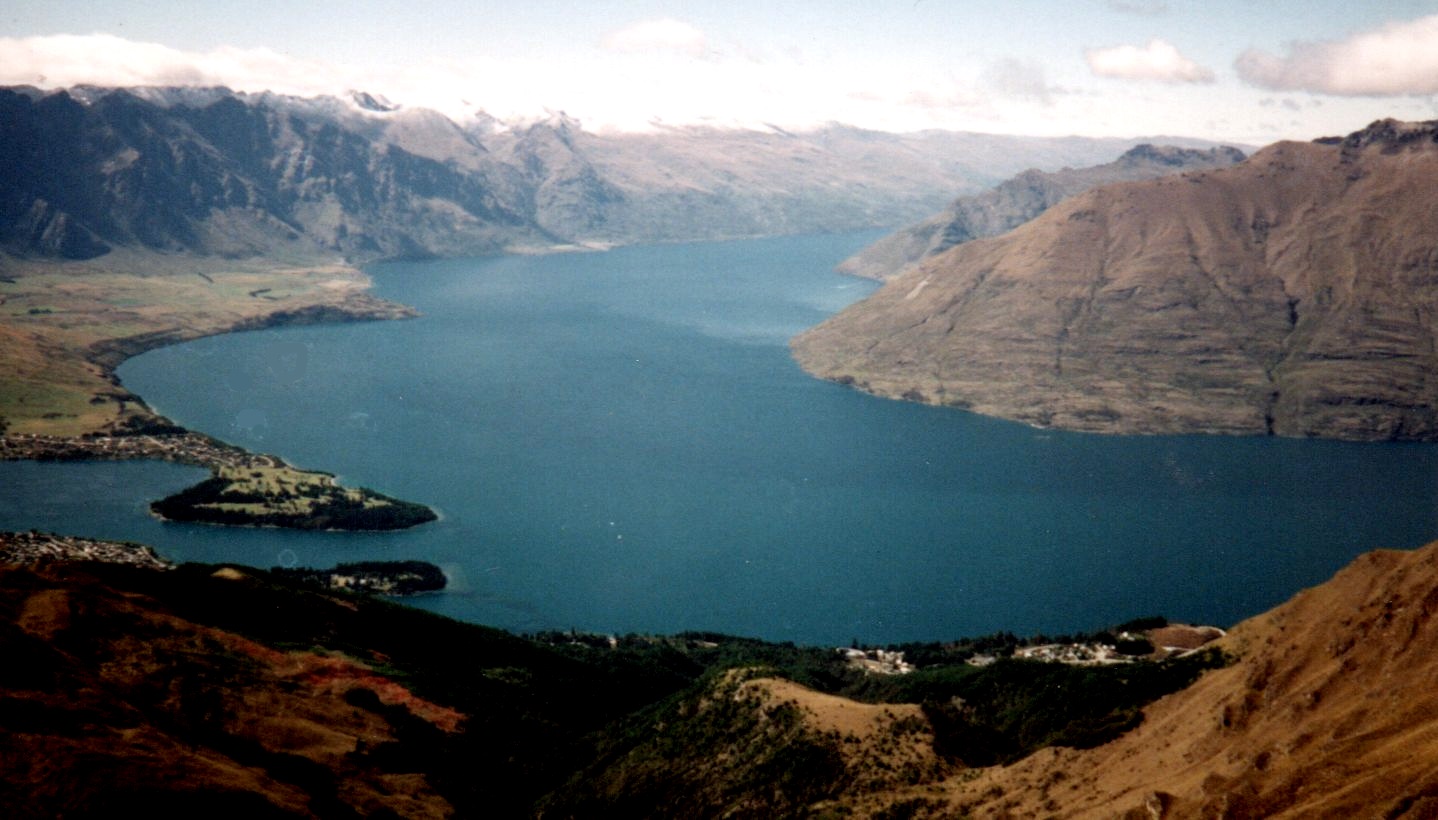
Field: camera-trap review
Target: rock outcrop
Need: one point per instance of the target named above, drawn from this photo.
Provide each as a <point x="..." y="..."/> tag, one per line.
<point x="1016" y="201"/>
<point x="1293" y="294"/>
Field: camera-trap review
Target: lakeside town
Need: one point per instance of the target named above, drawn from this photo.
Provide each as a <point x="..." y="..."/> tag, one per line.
<point x="41" y="547"/>
<point x="246" y="489"/>
<point x="182" y="448"/>
<point x="1161" y="642"/>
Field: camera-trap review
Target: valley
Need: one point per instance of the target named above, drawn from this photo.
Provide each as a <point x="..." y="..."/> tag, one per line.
<point x="138" y="218"/>
<point x="593" y="380"/>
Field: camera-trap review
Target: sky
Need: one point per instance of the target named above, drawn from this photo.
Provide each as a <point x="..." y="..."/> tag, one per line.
<point x="1239" y="70"/>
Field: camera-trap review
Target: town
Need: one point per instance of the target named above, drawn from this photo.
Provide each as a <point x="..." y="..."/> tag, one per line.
<point x="38" y="547"/>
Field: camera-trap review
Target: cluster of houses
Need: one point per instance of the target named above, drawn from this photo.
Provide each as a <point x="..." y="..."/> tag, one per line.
<point x="877" y="661"/>
<point x="1077" y="654"/>
<point x="1170" y="641"/>
<point x="184" y="448"/>
<point x="38" y="547"/>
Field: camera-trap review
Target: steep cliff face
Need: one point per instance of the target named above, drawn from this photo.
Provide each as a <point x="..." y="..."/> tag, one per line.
<point x="1016" y="201"/>
<point x="1293" y="294"/>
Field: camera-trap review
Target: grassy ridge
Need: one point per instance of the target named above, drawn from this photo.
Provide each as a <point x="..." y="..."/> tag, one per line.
<point x="583" y="723"/>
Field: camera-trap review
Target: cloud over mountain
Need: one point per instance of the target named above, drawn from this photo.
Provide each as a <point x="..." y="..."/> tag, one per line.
<point x="1159" y="60"/>
<point x="103" y="59"/>
<point x="1395" y="60"/>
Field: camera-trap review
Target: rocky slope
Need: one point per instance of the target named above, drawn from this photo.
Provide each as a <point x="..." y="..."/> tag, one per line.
<point x="1327" y="709"/>
<point x="215" y="172"/>
<point x="1293" y="294"/>
<point x="1017" y="200"/>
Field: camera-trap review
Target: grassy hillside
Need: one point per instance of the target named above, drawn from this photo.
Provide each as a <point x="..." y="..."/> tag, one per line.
<point x="294" y="702"/>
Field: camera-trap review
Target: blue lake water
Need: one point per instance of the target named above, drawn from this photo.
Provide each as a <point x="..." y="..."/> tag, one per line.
<point x="620" y="442"/>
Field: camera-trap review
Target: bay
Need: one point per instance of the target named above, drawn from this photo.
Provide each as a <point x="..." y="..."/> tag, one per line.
<point x="620" y="442"/>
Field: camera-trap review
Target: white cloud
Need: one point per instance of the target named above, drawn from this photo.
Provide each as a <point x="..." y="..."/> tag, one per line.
<point x="613" y="90"/>
<point x="1159" y="61"/>
<point x="101" y="59"/>
<point x="1397" y="59"/>
<point x="651" y="36"/>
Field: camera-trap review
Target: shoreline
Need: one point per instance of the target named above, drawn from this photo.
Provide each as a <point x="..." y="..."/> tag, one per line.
<point x="244" y="488"/>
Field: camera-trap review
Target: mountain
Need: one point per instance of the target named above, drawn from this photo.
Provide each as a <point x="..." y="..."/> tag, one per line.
<point x="711" y="183"/>
<point x="1328" y="712"/>
<point x="210" y="171"/>
<point x="201" y="689"/>
<point x="1292" y="294"/>
<point x="217" y="174"/>
<point x="1017" y="200"/>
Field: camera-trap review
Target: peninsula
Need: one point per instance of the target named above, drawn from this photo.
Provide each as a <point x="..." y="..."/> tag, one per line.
<point x="67" y="324"/>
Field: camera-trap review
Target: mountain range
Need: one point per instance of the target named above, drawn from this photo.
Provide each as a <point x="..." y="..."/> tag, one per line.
<point x="1291" y="294"/>
<point x="216" y="172"/>
<point x="1015" y="201"/>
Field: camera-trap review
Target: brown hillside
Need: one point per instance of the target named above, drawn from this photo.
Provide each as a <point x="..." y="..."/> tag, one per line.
<point x="1330" y="711"/>
<point x="1292" y="294"/>
<point x="1017" y="200"/>
<point x="108" y="701"/>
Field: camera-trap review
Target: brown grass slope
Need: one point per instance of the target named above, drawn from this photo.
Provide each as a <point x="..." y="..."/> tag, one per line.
<point x="1330" y="711"/>
<point x="110" y="701"/>
<point x="1017" y="200"/>
<point x="1293" y="294"/>
<point x="749" y="745"/>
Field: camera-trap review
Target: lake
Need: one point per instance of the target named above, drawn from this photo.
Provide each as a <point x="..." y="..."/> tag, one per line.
<point x="620" y="442"/>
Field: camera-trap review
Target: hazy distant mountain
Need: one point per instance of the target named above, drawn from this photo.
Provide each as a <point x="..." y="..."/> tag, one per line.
<point x="1293" y="294"/>
<point x="1020" y="199"/>
<point x="211" y="171"/>
<point x="712" y="183"/>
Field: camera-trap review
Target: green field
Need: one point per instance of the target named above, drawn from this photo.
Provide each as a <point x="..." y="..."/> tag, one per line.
<point x="65" y="325"/>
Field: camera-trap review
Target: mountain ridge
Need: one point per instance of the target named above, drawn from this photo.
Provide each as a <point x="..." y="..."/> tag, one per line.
<point x="1019" y="199"/>
<point x="1292" y="294"/>
<point x="1324" y="714"/>
<point x="212" y="171"/>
